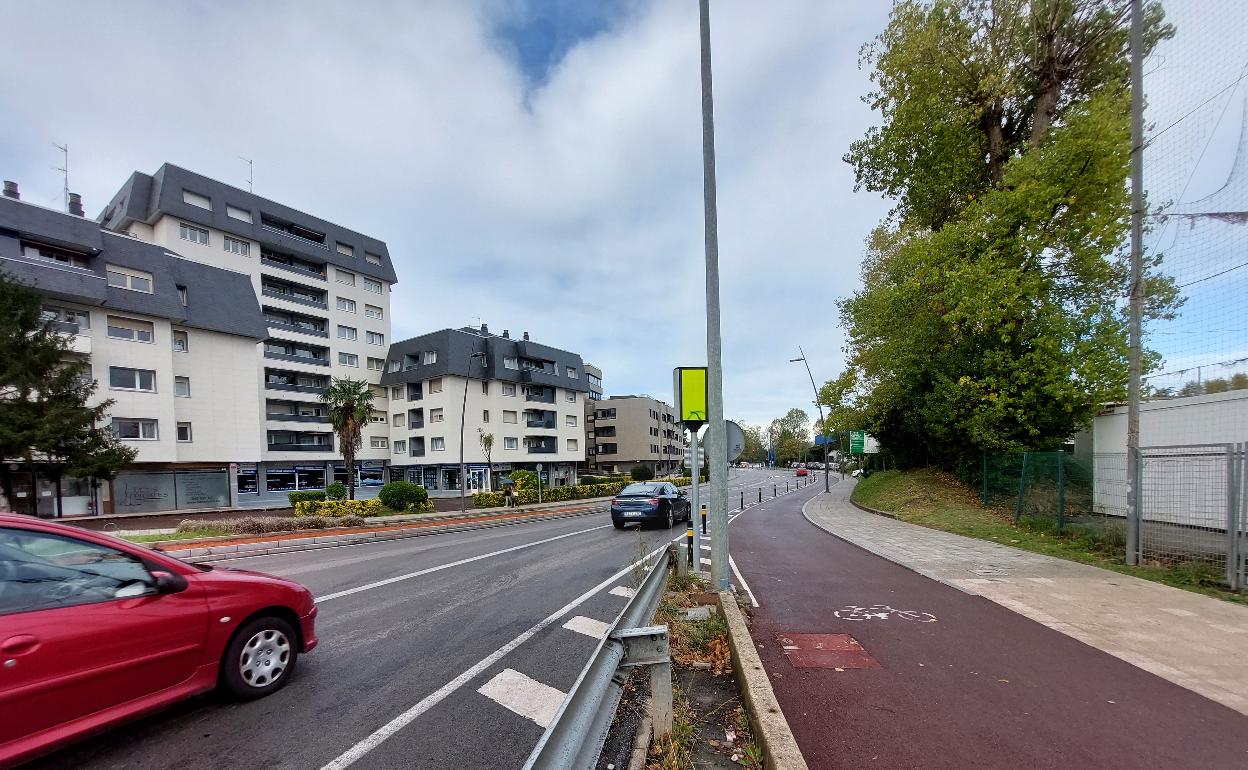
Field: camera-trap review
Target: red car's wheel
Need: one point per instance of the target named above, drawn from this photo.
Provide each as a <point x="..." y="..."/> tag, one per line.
<point x="260" y="658"/>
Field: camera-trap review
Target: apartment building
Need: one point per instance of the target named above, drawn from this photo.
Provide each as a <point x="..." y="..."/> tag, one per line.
<point x="172" y="341"/>
<point x="324" y="291"/>
<point x="593" y="376"/>
<point x="636" y="430"/>
<point x="529" y="396"/>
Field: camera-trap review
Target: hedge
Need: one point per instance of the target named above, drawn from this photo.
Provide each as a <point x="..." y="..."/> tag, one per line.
<point x="337" y="508"/>
<point x="403" y="496"/>
<point x="298" y="497"/>
<point x="527" y="496"/>
<point x="260" y="526"/>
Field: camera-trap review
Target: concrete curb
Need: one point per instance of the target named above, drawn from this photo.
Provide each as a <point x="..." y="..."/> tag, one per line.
<point x="771" y="729"/>
<point x="641" y="743"/>
<point x="196" y="555"/>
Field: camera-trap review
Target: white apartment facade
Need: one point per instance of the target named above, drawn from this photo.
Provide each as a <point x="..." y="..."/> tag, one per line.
<point x="528" y="396"/>
<point x="172" y="342"/>
<point x="324" y="291"/>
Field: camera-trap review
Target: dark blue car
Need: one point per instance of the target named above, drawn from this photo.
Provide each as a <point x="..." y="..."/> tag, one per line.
<point x="650" y="502"/>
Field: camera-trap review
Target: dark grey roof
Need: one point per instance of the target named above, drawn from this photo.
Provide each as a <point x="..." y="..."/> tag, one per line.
<point x="219" y="300"/>
<point x="455" y="346"/>
<point x="145" y="198"/>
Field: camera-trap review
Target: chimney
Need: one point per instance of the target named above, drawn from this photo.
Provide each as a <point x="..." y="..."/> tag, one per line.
<point x="10" y="190"/>
<point x="485" y="329"/>
<point x="506" y="334"/>
<point x="526" y="336"/>
<point x="75" y="204"/>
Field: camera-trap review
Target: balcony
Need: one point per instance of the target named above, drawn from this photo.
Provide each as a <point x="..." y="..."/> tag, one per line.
<point x="539" y="377"/>
<point x="414" y="424"/>
<point x="294" y="388"/>
<point x="296" y="359"/>
<point x="301" y="447"/>
<point x="540" y="395"/>
<point x="547" y="422"/>
<point x="293" y="268"/>
<point x="294" y="232"/>
<point x="284" y="417"/>
<point x="541" y="446"/>
<point x="417" y="451"/>
<point x="296" y="298"/>
<point x="296" y="328"/>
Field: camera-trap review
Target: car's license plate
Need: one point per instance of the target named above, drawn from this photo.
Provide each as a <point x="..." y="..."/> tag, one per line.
<point x="633" y="514"/>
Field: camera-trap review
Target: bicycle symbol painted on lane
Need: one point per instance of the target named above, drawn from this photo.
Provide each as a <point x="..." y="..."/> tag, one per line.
<point x="882" y="612"/>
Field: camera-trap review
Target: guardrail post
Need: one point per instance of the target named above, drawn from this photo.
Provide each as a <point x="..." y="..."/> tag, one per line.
<point x="760" y="494"/>
<point x="775" y="487"/>
<point x="684" y="559"/>
<point x="703" y="518"/>
<point x="743" y="499"/>
<point x="649" y="647"/>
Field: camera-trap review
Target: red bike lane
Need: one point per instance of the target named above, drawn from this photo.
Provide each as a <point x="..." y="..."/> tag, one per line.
<point x="960" y="682"/>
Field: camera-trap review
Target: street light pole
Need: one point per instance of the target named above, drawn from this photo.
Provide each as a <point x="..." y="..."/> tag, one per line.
<point x="827" y="485"/>
<point x="463" y="415"/>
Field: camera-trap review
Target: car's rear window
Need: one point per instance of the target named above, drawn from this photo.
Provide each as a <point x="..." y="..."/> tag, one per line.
<point x="642" y="489"/>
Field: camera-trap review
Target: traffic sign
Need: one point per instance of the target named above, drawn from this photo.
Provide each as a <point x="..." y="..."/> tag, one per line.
<point x="857" y="441"/>
<point x="736" y="440"/>
<point x="690" y="393"/>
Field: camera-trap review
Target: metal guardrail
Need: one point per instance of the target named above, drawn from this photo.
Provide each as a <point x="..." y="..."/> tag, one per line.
<point x="575" y="737"/>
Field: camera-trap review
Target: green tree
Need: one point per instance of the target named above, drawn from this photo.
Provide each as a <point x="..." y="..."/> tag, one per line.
<point x="1239" y="381"/>
<point x="990" y="314"/>
<point x="349" y="403"/>
<point x="791" y="436"/>
<point x="487" y="448"/>
<point x="641" y="473"/>
<point x="755" y="444"/>
<point x="45" y="390"/>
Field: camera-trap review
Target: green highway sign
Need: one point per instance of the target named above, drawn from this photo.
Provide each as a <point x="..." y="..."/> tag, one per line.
<point x="857" y="441"/>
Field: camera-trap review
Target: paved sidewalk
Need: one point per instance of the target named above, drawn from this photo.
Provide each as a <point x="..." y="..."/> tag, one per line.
<point x="1194" y="641"/>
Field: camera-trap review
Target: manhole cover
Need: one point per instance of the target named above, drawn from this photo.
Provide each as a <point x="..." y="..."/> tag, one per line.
<point x="826" y="651"/>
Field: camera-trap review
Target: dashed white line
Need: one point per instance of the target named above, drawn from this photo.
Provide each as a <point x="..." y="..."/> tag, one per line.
<point x="588" y="626"/>
<point x="524" y="695"/>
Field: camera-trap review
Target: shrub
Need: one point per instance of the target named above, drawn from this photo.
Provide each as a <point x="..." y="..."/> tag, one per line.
<point x="641" y="473"/>
<point x="311" y="494"/>
<point x="524" y="479"/>
<point x="336" y="491"/>
<point x="553" y="494"/>
<point x="402" y="495"/>
<point x="488" y="499"/>
<point x="339" y="508"/>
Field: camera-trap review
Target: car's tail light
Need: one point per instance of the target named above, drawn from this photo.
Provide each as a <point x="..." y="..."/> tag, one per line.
<point x="653" y="501"/>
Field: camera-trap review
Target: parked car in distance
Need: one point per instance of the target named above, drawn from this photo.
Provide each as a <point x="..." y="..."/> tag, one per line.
<point x="802" y="472"/>
<point x="651" y="502"/>
<point x="95" y="631"/>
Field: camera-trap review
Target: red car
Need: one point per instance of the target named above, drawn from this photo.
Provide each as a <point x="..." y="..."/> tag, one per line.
<point x="803" y="472"/>
<point x="95" y="631"/>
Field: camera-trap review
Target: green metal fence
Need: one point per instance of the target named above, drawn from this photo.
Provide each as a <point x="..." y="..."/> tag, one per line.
<point x="1054" y="486"/>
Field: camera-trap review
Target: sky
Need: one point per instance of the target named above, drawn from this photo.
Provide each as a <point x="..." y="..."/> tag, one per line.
<point x="531" y="164"/>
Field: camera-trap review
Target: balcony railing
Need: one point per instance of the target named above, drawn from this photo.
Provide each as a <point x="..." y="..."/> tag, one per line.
<point x="413" y="424"/>
<point x="417" y="451"/>
<point x="317" y="389"/>
<point x="540" y="397"/>
<point x="542" y="447"/>
<point x="64" y="327"/>
<point x="292" y="268"/>
<point x="296" y="299"/>
<point x="298" y="417"/>
<point x="548" y="424"/>
<point x="301" y="447"/>
<point x="296" y="359"/>
<point x="297" y="328"/>
<point x="299" y="238"/>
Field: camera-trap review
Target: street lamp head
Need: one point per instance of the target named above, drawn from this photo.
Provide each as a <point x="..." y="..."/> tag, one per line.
<point x="796" y="360"/>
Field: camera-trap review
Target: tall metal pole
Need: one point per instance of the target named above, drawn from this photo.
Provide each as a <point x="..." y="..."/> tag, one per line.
<point x="716" y="437"/>
<point x="695" y="504"/>
<point x="827" y="484"/>
<point x="1137" y="282"/>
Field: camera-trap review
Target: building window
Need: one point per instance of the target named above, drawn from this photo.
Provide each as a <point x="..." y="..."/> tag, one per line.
<point x="236" y="246"/>
<point x="125" y="278"/>
<point x="193" y="234"/>
<point x="81" y="318"/>
<point x="572" y="395"/>
<point x="510" y="416"/>
<point x="346" y="332"/>
<point x="397" y="420"/>
<point x="435" y="386"/>
<point x="400" y="446"/>
<point x="378" y="442"/>
<point x="570" y="421"/>
<point x="181" y="343"/>
<point x="240" y="214"/>
<point x="437" y="443"/>
<point x="127" y="329"/>
<point x="124" y="378"/>
<point x="393" y="366"/>
<point x="509" y="389"/>
<point x="396" y="393"/>
<point x="139" y="430"/>
<point x="485" y="387"/>
<point x="571" y="373"/>
<point x="371" y="258"/>
<point x="182" y="387"/>
<point x="511" y="362"/>
<point x="485" y="415"/>
<point x="372" y="311"/>
<point x="195" y="199"/>
<point x="36" y="251"/>
<point x="511" y="442"/>
<point x="184" y="432"/>
<point x="435" y="415"/>
<point x="345" y="278"/>
<point x="376" y="364"/>
<point x="349" y="359"/>
<point x="573" y="446"/>
<point x="375" y="338"/>
<point x="344" y="249"/>
<point x="346" y="305"/>
<point x="372" y="285"/>
<point x="606" y="449"/>
<point x="430" y="357"/>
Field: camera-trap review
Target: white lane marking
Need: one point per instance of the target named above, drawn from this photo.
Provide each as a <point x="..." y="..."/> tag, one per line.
<point x="523" y="695"/>
<point x="623" y="591"/>
<point x="1175" y="611"/>
<point x="351" y="755"/>
<point x="588" y="626"/>
<point x="418" y="573"/>
<point x="705" y="561"/>
<point x="706" y="547"/>
<point x="741" y="579"/>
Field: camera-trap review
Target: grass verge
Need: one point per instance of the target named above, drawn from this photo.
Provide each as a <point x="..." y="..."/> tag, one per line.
<point x="938" y="500"/>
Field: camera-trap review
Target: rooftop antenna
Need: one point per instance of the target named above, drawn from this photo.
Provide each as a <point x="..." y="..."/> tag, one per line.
<point x="251" y="167"/>
<point x="64" y="169"/>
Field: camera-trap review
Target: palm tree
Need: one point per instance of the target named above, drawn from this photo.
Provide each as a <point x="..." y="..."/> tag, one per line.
<point x="350" y="402"/>
<point x="487" y="448"/>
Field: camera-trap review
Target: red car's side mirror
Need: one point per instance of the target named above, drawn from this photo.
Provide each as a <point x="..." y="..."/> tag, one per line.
<point x="168" y="582"/>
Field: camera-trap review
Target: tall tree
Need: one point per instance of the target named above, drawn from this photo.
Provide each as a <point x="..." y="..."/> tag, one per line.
<point x="45" y="392"/>
<point x="755" y="444"/>
<point x="487" y="448"/>
<point x="790" y="435"/>
<point x="349" y="404"/>
<point x="991" y="313"/>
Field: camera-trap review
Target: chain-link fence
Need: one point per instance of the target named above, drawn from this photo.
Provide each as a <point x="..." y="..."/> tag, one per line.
<point x="1057" y="490"/>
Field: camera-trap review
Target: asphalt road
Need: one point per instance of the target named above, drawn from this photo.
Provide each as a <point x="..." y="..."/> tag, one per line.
<point x="411" y="632"/>
<point x="977" y="687"/>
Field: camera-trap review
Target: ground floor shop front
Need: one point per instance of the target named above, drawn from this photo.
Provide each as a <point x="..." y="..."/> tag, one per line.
<point x="442" y="479"/>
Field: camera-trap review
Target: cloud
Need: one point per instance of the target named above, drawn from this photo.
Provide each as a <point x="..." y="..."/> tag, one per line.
<point x="568" y="205"/>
